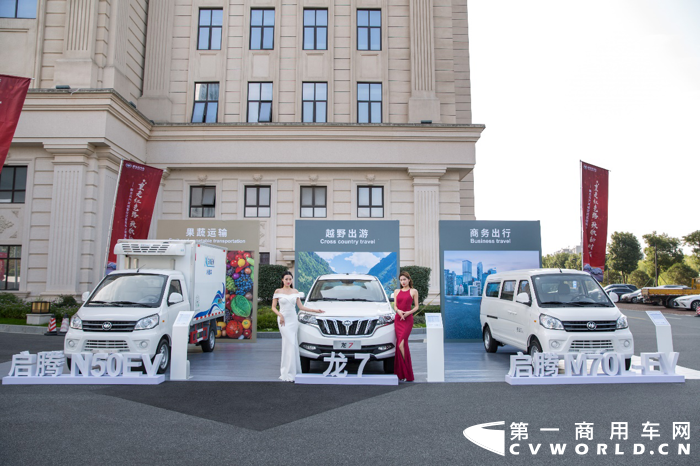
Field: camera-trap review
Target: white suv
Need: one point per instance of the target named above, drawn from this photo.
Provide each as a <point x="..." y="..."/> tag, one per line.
<point x="358" y="318"/>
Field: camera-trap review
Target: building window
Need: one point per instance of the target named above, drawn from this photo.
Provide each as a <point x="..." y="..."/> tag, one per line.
<point x="369" y="29"/>
<point x="370" y="201"/>
<point x="262" y="29"/>
<point x="206" y="103"/>
<point x="313" y="201"/>
<point x="314" y="102"/>
<point x="13" y="185"/>
<point x="210" y="22"/>
<point x="257" y="201"/>
<point x="10" y="262"/>
<point x="259" y="102"/>
<point x="25" y="9"/>
<point x="264" y="258"/>
<point x="315" y="29"/>
<point x="369" y="102"/>
<point x="202" y="201"/>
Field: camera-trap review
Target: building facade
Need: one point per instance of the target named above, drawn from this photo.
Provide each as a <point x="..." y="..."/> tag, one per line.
<point x="273" y="110"/>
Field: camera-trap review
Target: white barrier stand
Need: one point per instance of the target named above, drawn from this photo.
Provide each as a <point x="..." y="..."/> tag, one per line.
<point x="664" y="339"/>
<point x="179" y="365"/>
<point x="436" y="347"/>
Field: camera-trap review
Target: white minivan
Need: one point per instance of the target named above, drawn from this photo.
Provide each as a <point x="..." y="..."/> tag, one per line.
<point x="552" y="310"/>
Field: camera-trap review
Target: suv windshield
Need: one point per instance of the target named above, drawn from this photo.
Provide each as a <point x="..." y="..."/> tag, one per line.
<point x="347" y="290"/>
<point x="139" y="290"/>
<point x="569" y="290"/>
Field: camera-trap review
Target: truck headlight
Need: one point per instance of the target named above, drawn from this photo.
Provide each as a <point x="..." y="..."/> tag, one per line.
<point x="385" y="319"/>
<point x="306" y="318"/>
<point x="622" y="322"/>
<point x="76" y="322"/>
<point x="147" y="322"/>
<point x="550" y="322"/>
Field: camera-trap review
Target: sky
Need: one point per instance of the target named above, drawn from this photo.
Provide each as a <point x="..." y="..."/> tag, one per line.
<point x="352" y="262"/>
<point x="614" y="83"/>
<point x="502" y="261"/>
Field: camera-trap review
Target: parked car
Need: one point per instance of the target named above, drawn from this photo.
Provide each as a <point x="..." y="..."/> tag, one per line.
<point x="634" y="297"/>
<point x="623" y="285"/>
<point x="358" y="318"/>
<point x="552" y="310"/>
<point x="618" y="290"/>
<point x="691" y="302"/>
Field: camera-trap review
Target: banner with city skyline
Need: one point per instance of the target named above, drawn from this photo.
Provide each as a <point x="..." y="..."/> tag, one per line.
<point x="470" y="251"/>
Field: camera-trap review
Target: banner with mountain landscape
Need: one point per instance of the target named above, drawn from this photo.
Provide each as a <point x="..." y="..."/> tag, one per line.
<point x="346" y="246"/>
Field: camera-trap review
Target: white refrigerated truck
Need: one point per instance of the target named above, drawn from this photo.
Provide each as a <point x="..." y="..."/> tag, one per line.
<point x="133" y="309"/>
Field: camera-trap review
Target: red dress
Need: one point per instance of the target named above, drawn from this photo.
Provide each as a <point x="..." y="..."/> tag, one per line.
<point x="402" y="364"/>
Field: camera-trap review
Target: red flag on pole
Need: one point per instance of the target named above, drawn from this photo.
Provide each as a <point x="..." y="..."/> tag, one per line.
<point x="13" y="91"/>
<point x="594" y="213"/>
<point x="137" y="189"/>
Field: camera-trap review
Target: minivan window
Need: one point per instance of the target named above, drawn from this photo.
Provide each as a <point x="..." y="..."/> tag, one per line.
<point x="569" y="290"/>
<point x="492" y="289"/>
<point x="524" y="287"/>
<point x="508" y="290"/>
<point x="347" y="290"/>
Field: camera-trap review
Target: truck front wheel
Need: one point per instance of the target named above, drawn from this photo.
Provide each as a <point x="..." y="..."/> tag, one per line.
<point x="210" y="342"/>
<point x="164" y="349"/>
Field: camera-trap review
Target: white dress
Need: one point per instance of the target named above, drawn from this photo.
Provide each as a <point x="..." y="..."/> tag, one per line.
<point x="291" y="364"/>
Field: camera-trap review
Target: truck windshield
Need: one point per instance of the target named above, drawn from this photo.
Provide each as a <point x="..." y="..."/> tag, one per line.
<point x="347" y="290"/>
<point x="569" y="290"/>
<point x="136" y="290"/>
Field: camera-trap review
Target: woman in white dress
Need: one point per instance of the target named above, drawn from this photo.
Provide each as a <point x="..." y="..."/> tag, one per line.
<point x="288" y="297"/>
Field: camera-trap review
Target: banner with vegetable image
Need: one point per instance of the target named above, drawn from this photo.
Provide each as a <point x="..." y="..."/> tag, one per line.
<point x="594" y="218"/>
<point x="346" y="246"/>
<point x="470" y="251"/>
<point x="241" y="238"/>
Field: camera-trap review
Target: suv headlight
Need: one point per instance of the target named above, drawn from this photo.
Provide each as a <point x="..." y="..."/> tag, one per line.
<point x="550" y="322"/>
<point x="147" y="322"/>
<point x="622" y="322"/>
<point x="76" y="322"/>
<point x="306" y="318"/>
<point x="385" y="319"/>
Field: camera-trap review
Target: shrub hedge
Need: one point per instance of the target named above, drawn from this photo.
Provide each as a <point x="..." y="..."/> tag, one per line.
<point x="421" y="280"/>
<point x="269" y="279"/>
<point x="12" y="307"/>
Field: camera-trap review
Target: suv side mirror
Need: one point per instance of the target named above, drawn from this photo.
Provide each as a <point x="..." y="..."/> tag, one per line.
<point x="85" y="296"/>
<point x="175" y="298"/>
<point x="523" y="298"/>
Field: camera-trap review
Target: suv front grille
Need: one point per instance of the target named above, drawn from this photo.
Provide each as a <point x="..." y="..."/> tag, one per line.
<point x="347" y="326"/>
<point x="582" y="325"/>
<point x="116" y="326"/>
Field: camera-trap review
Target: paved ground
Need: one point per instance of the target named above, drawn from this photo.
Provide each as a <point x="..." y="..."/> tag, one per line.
<point x="280" y="423"/>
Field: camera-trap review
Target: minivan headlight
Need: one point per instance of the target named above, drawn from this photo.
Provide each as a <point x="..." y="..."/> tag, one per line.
<point x="550" y="322"/>
<point x="622" y="322"/>
<point x="306" y="318"/>
<point x="385" y="319"/>
<point x="147" y="322"/>
<point x="76" y="322"/>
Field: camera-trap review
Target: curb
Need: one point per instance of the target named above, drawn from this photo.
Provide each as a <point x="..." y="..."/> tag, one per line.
<point x="26" y="329"/>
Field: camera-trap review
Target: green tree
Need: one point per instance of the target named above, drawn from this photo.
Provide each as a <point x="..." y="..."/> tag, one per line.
<point x="562" y="260"/>
<point x="624" y="251"/>
<point x="679" y="274"/>
<point x="693" y="241"/>
<point x="640" y="278"/>
<point x="668" y="250"/>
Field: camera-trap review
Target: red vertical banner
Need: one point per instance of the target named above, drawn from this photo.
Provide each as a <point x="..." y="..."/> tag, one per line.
<point x="137" y="189"/>
<point x="594" y="215"/>
<point x="13" y="91"/>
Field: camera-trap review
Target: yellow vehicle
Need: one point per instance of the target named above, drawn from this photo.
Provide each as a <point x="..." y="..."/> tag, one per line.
<point x="665" y="296"/>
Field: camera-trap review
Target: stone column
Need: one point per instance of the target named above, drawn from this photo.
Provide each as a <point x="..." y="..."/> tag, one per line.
<point x="77" y="67"/>
<point x="67" y="217"/>
<point x="114" y="75"/>
<point x="155" y="102"/>
<point x="426" y="206"/>
<point x="423" y="103"/>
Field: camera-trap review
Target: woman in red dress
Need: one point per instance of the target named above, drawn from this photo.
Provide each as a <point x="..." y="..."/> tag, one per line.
<point x="405" y="305"/>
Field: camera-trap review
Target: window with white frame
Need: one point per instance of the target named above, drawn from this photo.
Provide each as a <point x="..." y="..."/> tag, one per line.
<point x="202" y="201"/>
<point x="257" y="201"/>
<point x="370" y="201"/>
<point x="313" y="201"/>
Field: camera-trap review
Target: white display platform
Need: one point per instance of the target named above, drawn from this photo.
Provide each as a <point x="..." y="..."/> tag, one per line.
<point x="179" y="365"/>
<point x="436" y="347"/>
<point x="81" y="380"/>
<point x="350" y="379"/>
<point x="599" y="379"/>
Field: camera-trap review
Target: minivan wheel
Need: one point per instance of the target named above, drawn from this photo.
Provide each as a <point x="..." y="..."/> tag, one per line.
<point x="389" y="366"/>
<point x="164" y="349"/>
<point x="490" y="345"/>
<point x="305" y="365"/>
<point x="535" y="347"/>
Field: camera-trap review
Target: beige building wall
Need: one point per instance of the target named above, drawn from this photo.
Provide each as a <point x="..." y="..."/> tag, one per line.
<point x="132" y="65"/>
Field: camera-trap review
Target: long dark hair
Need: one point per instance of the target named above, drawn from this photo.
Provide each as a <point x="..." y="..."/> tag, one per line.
<point x="407" y="275"/>
<point x="285" y="274"/>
